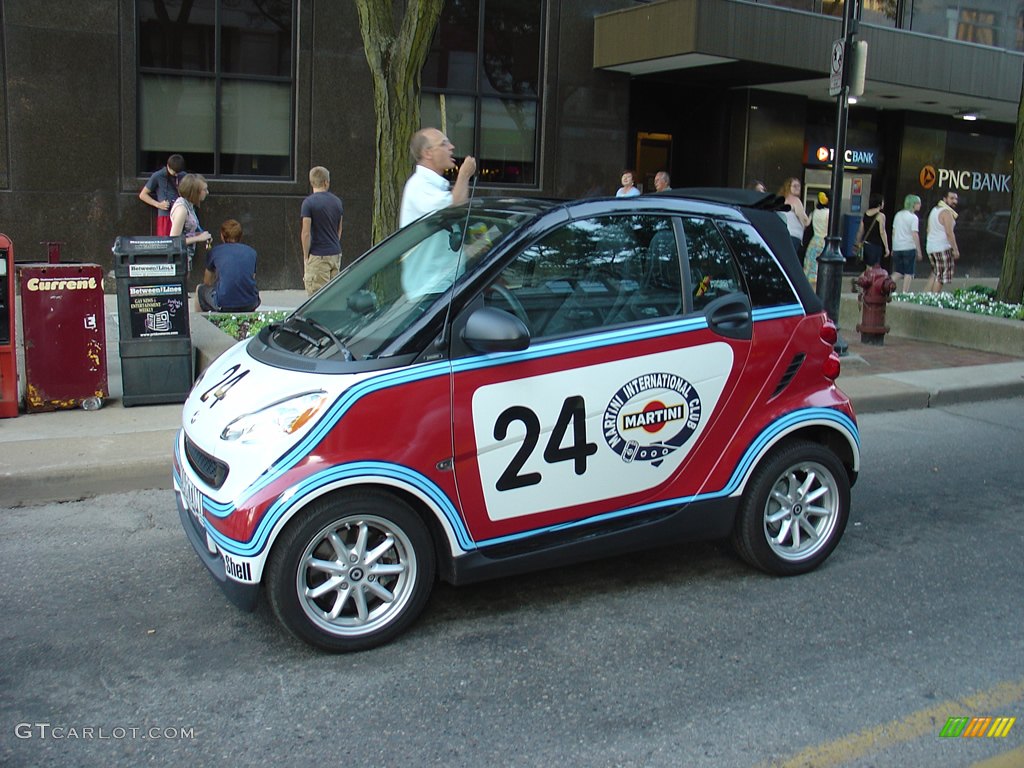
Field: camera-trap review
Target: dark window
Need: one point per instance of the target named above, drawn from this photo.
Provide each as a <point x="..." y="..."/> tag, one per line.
<point x="482" y="85"/>
<point x="592" y="274"/>
<point x="712" y="269"/>
<point x="766" y="282"/>
<point x="215" y="84"/>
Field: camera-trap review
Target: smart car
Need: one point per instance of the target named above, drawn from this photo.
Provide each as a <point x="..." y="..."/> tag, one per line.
<point x="514" y="384"/>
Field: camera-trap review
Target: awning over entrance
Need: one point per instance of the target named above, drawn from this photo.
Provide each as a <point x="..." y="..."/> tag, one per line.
<point x="746" y="45"/>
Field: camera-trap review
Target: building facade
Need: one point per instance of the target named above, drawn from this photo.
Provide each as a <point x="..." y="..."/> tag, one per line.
<point x="554" y="98"/>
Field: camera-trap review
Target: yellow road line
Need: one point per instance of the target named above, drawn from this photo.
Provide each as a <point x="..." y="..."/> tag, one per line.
<point x="914" y="726"/>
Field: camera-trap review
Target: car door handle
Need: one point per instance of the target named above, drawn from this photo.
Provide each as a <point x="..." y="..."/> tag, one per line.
<point x="730" y="316"/>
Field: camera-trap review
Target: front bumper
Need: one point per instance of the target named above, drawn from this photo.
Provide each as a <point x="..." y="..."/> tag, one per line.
<point x="243" y="596"/>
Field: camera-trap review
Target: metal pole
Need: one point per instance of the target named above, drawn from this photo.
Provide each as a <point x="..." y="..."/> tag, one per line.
<point x="831" y="260"/>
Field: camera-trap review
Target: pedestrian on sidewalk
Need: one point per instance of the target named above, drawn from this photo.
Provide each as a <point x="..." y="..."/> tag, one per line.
<point x="943" y="251"/>
<point x="321" y="232"/>
<point x="906" y="242"/>
<point x="819" y="229"/>
<point x="871" y="236"/>
<point x="796" y="217"/>
<point x="628" y="188"/>
<point x="192" y="190"/>
<point x="229" y="282"/>
<point x="162" y="190"/>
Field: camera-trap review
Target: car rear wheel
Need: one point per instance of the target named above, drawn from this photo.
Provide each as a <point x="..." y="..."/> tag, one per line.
<point x="794" y="510"/>
<point x="353" y="572"/>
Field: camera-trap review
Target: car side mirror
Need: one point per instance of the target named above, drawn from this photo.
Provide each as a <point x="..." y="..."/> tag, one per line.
<point x="490" y="329"/>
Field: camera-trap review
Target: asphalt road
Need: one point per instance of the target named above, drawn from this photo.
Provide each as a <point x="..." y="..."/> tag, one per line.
<point x="118" y="650"/>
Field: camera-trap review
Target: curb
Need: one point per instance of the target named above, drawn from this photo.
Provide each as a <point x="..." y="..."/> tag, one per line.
<point x="934" y="388"/>
<point x="53" y="469"/>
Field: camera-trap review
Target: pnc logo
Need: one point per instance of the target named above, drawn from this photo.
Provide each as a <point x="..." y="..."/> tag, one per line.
<point x="927" y="176"/>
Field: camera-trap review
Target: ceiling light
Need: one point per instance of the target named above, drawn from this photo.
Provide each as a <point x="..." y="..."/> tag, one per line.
<point x="851" y="100"/>
<point x="967" y="114"/>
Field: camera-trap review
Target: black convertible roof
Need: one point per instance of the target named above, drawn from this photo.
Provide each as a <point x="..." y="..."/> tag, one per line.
<point x="762" y="210"/>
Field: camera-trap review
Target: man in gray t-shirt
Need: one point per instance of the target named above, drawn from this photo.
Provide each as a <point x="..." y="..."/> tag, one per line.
<point x="321" y="232"/>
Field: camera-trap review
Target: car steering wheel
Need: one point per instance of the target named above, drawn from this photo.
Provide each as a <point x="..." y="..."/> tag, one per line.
<point x="509" y="298"/>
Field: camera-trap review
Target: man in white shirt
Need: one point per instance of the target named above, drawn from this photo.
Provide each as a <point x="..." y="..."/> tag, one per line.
<point x="942" y="248"/>
<point x="427" y="190"/>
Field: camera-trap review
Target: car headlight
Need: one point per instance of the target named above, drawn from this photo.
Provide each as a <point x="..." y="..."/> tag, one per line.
<point x="282" y="418"/>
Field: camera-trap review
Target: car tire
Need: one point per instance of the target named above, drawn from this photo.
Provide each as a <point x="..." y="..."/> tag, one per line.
<point x="352" y="572"/>
<point x="794" y="510"/>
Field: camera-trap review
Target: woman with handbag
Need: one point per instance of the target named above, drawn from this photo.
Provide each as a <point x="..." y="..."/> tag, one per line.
<point x="192" y="190"/>
<point x="872" y="243"/>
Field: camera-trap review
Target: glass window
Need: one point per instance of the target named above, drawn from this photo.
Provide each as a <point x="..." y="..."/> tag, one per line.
<point x="481" y="85"/>
<point x="767" y="284"/>
<point x="215" y="84"/>
<point x="511" y="48"/>
<point x="712" y="269"/>
<point x="977" y="26"/>
<point x="370" y="308"/>
<point x="996" y="24"/>
<point x="591" y="274"/>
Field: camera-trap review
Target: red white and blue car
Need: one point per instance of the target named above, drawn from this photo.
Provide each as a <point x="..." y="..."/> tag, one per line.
<point x="510" y="385"/>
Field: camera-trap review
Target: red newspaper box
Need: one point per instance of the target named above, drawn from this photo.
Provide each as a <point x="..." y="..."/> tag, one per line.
<point x="8" y="343"/>
<point x="64" y="329"/>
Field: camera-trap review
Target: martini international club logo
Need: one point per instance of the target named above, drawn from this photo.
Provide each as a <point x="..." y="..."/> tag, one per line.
<point x="651" y="416"/>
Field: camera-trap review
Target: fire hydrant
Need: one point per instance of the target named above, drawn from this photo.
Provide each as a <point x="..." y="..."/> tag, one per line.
<point x="874" y="288"/>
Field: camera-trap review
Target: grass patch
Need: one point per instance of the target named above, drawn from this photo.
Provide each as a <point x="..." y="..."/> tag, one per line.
<point x="243" y="325"/>
<point x="976" y="299"/>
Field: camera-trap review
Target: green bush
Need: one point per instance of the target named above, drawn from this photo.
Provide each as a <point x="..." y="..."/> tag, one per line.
<point x="245" y="324"/>
<point x="976" y="299"/>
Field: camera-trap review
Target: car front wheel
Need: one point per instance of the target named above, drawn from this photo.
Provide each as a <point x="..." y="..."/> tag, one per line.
<point x="794" y="510"/>
<point x="353" y="572"/>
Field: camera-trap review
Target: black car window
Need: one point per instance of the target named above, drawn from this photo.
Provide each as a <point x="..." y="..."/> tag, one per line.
<point x="591" y="274"/>
<point x="766" y="282"/>
<point x="713" y="271"/>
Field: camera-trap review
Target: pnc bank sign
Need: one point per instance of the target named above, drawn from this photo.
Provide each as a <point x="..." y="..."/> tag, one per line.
<point x="861" y="158"/>
<point x="971" y="181"/>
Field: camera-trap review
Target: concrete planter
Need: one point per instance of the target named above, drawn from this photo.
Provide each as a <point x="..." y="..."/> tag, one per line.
<point x="210" y="342"/>
<point x="911" y="321"/>
<point x="942" y="326"/>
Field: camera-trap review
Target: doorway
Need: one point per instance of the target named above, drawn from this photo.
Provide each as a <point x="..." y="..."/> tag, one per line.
<point x="653" y="154"/>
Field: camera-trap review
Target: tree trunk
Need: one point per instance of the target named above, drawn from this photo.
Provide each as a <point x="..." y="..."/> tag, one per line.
<point x="1011" y="280"/>
<point x="396" y="59"/>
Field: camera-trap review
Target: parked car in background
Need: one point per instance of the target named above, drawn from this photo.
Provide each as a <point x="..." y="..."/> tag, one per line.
<point x="510" y="385"/>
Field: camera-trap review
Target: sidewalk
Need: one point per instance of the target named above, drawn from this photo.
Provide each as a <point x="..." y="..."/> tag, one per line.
<point x="72" y="454"/>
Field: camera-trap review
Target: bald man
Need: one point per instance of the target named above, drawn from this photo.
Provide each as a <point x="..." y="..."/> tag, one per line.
<point x="427" y="190"/>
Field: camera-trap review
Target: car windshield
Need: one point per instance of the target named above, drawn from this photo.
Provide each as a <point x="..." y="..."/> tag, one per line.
<point x="358" y="315"/>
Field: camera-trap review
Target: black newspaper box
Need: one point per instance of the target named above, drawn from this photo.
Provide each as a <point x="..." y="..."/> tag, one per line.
<point x="155" y="345"/>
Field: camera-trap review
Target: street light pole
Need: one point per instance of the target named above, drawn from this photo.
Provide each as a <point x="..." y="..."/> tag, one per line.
<point x="831" y="260"/>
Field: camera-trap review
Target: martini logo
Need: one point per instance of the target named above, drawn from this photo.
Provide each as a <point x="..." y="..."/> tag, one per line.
<point x="651" y="416"/>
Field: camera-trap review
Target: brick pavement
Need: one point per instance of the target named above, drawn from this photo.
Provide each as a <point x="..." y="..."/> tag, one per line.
<point x="899" y="354"/>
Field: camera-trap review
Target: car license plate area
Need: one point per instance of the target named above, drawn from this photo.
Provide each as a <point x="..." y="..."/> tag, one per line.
<point x="193" y="500"/>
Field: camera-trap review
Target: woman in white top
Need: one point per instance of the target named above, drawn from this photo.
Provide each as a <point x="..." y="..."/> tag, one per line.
<point x="628" y="188"/>
<point x="906" y="241"/>
<point x="796" y="217"/>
